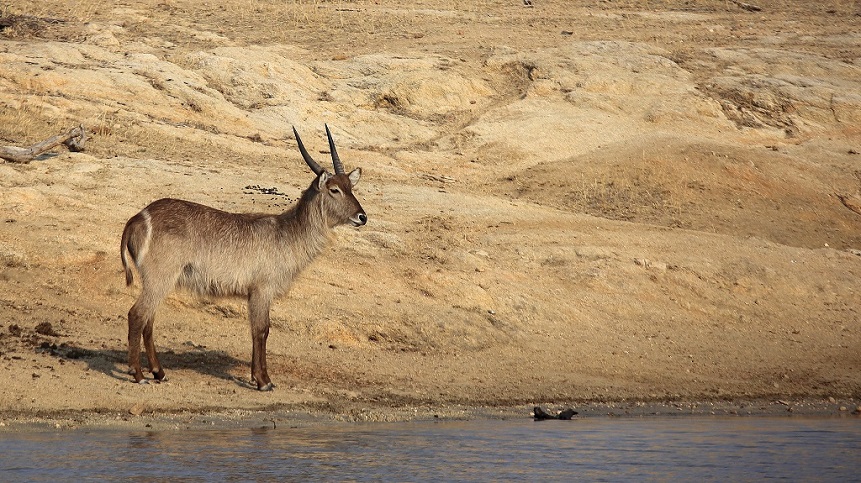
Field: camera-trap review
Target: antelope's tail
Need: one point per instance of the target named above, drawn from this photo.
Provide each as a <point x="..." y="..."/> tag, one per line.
<point x="134" y="238"/>
<point x="125" y="251"/>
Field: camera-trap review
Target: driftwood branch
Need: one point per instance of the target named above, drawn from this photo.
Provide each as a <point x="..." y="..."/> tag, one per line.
<point x="747" y="6"/>
<point x="74" y="140"/>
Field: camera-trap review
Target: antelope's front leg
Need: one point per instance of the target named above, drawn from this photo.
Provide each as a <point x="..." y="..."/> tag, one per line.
<point x="258" y="311"/>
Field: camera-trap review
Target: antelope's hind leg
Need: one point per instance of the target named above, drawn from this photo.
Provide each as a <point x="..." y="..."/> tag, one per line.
<point x="149" y="344"/>
<point x="141" y="319"/>
<point x="136" y="323"/>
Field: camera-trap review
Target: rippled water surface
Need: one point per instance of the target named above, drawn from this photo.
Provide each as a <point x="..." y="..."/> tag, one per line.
<point x="684" y="448"/>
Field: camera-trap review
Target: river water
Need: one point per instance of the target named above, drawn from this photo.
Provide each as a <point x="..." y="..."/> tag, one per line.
<point x="598" y="449"/>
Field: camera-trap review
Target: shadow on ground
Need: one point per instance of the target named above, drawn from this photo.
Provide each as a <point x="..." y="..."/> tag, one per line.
<point x="114" y="363"/>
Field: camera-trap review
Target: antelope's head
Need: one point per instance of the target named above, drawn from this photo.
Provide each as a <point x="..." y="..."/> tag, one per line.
<point x="336" y="190"/>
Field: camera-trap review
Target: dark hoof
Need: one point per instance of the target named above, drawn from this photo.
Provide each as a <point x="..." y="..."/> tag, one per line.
<point x="266" y="387"/>
<point x="159" y="376"/>
<point x="138" y="376"/>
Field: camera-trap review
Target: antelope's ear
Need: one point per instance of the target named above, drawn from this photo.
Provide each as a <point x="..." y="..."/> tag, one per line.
<point x="354" y="176"/>
<point x="321" y="181"/>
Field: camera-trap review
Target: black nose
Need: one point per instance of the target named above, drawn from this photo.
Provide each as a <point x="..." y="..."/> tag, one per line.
<point x="363" y="218"/>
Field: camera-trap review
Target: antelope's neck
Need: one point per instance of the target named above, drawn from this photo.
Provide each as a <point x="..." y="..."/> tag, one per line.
<point x="305" y="225"/>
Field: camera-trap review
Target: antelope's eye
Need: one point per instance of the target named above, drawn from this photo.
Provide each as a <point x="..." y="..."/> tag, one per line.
<point x="334" y="191"/>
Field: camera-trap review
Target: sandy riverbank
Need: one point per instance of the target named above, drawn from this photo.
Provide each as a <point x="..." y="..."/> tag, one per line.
<point x="569" y="205"/>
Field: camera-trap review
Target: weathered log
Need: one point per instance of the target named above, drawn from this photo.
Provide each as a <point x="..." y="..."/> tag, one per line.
<point x="73" y="140"/>
<point x="747" y="6"/>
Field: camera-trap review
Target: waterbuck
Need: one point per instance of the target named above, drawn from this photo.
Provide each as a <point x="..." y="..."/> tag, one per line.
<point x="175" y="243"/>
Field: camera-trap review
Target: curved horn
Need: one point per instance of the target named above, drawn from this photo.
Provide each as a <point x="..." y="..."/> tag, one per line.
<point x="307" y="157"/>
<point x="336" y="161"/>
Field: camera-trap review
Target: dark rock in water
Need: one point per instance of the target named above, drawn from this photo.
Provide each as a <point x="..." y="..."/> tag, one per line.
<point x="541" y="415"/>
<point x="566" y="414"/>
